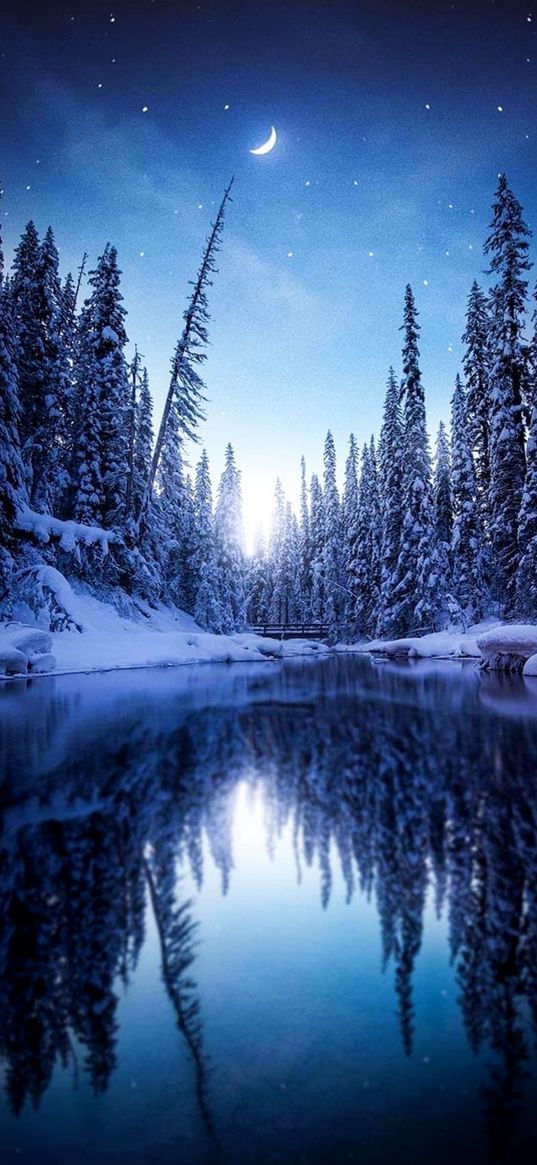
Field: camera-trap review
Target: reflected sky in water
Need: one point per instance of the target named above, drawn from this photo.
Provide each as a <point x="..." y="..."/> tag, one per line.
<point x="284" y="912"/>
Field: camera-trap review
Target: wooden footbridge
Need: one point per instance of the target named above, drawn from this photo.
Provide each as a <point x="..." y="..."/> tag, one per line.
<point x="292" y="630"/>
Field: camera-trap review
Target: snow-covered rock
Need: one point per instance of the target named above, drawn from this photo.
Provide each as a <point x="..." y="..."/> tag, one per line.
<point x="437" y="645"/>
<point x="509" y="647"/>
<point x="24" y="649"/>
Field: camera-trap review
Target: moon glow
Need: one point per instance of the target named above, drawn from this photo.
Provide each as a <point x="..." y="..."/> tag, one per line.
<point x="268" y="145"/>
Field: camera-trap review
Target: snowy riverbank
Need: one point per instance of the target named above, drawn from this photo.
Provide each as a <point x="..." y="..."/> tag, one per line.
<point x="109" y="641"/>
<point x="497" y="646"/>
<point x="160" y="637"/>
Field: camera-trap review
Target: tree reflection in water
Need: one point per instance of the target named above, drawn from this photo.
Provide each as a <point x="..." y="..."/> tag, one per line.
<point x="412" y="778"/>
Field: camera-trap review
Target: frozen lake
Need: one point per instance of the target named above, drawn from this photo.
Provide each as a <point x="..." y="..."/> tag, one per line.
<point x="269" y="913"/>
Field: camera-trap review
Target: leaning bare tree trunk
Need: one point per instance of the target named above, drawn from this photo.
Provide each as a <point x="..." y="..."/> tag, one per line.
<point x="183" y="349"/>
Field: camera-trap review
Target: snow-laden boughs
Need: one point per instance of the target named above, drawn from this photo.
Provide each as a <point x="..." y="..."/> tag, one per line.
<point x="467" y="547"/>
<point x="507" y="247"/>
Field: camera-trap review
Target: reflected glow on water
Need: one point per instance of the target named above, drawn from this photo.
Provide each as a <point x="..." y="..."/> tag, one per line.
<point x="277" y="913"/>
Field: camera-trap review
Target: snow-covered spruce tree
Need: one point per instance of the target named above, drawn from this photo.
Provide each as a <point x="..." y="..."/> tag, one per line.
<point x="443" y="528"/>
<point x="186" y="388"/>
<point x="206" y="609"/>
<point x="364" y="574"/>
<point x="508" y="248"/>
<point x="349" y="530"/>
<point x="527" y="524"/>
<point x="332" y="548"/>
<point x="390" y="479"/>
<point x="304" y="547"/>
<point x="143" y="441"/>
<point x="171" y="521"/>
<point x="229" y="546"/>
<point x="443" y="506"/>
<point x="24" y="294"/>
<point x="317" y="527"/>
<point x="50" y="467"/>
<point x="416" y="577"/>
<point x="102" y="402"/>
<point x="467" y="535"/>
<point x="258" y="582"/>
<point x="13" y="494"/>
<point x="43" y="364"/>
<point x="275" y="553"/>
<point x="285" y="600"/>
<point x="135" y="375"/>
<point x="477" y="372"/>
<point x="526" y="600"/>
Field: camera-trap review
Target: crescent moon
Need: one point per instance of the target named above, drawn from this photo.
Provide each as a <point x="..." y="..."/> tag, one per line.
<point x="268" y="145"/>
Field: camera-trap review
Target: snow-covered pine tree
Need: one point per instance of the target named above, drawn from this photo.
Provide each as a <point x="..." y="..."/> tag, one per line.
<point x="50" y="474"/>
<point x="527" y="523"/>
<point x="274" y="597"/>
<point x="390" y="479"/>
<point x="508" y="248"/>
<point x="350" y="530"/>
<point x="443" y="528"/>
<point x="102" y="401"/>
<point x="229" y="546"/>
<point x="143" y="441"/>
<point x="130" y="417"/>
<point x="24" y="294"/>
<point x="467" y="535"/>
<point x="206" y="609"/>
<point x="186" y="388"/>
<point x="285" y="600"/>
<point x="304" y="547"/>
<point x="110" y="340"/>
<point x="332" y="548"/>
<point x="365" y="573"/>
<point x="13" y="494"/>
<point x="443" y="507"/>
<point x="477" y="372"/>
<point x="416" y="577"/>
<point x="258" y="584"/>
<point x="171" y="521"/>
<point x="317" y="531"/>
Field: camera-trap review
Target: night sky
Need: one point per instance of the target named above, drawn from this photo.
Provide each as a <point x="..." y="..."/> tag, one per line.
<point x="124" y="122"/>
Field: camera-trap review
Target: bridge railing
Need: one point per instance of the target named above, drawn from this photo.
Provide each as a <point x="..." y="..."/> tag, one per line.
<point x="306" y="630"/>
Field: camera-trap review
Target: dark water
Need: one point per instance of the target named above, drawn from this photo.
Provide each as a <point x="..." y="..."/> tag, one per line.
<point x="275" y="913"/>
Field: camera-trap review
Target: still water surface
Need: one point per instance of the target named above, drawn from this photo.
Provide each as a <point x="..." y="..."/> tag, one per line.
<point x="275" y="913"/>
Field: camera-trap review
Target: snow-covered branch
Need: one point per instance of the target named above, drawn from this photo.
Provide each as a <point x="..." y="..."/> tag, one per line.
<point x="70" y="534"/>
